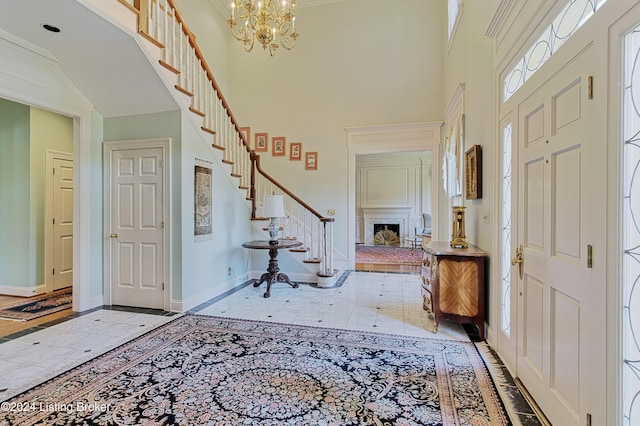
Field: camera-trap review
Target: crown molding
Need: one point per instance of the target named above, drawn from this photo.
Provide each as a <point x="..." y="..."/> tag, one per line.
<point x="499" y="16"/>
<point x="225" y="5"/>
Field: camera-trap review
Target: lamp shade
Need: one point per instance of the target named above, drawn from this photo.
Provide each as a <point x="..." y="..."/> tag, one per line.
<point x="273" y="206"/>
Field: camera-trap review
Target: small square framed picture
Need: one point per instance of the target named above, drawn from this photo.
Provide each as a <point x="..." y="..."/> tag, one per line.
<point x="295" y="151"/>
<point x="246" y="132"/>
<point x="261" y="142"/>
<point x="311" y="161"/>
<point x="278" y="144"/>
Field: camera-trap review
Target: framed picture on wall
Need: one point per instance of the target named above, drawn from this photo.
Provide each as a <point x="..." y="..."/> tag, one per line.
<point x="261" y="142"/>
<point x="473" y="172"/>
<point x="278" y="146"/>
<point x="246" y="132"/>
<point x="311" y="161"/>
<point x="295" y="151"/>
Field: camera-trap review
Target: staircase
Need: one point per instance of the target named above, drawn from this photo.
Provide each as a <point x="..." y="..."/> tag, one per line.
<point x="167" y="37"/>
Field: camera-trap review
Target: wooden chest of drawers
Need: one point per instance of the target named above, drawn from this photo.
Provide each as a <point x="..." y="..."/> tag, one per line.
<point x="453" y="283"/>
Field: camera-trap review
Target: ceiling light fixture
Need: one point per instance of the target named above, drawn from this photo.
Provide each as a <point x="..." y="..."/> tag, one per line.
<point x="271" y="22"/>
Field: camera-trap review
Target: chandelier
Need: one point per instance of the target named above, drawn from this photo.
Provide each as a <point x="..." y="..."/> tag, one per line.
<point x="272" y="23"/>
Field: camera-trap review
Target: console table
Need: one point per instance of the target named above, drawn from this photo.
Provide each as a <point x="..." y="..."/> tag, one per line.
<point x="273" y="273"/>
<point x="453" y="283"/>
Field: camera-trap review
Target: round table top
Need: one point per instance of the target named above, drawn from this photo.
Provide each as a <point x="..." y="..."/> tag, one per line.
<point x="413" y="239"/>
<point x="264" y="244"/>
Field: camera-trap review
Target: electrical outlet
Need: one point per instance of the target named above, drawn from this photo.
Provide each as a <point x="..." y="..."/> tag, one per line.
<point x="331" y="212"/>
<point x="229" y="271"/>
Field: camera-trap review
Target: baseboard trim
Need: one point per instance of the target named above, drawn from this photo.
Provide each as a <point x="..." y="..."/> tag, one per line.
<point x="11" y="290"/>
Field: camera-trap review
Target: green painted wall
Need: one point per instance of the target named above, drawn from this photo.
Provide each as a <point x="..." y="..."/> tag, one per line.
<point x="25" y="136"/>
<point x="14" y="194"/>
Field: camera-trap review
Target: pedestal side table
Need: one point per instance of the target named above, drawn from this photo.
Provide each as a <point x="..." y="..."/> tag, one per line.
<point x="273" y="273"/>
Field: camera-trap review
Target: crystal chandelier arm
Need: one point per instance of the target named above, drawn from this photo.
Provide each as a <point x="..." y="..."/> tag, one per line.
<point x="264" y="20"/>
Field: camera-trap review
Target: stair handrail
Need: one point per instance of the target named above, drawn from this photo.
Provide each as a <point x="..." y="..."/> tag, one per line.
<point x="258" y="167"/>
<point x="173" y="60"/>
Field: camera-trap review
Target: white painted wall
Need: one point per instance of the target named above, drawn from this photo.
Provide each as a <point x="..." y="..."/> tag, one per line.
<point x="204" y="263"/>
<point x="470" y="60"/>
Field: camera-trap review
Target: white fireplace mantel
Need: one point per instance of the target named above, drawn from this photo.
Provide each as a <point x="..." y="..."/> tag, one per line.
<point x="385" y="215"/>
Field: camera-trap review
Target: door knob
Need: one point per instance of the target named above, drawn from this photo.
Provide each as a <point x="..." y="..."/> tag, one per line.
<point x="519" y="260"/>
<point x="114" y="235"/>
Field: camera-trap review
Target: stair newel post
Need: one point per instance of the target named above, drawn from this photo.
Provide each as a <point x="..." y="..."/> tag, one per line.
<point x="327" y="246"/>
<point x="246" y="164"/>
<point x="252" y="186"/>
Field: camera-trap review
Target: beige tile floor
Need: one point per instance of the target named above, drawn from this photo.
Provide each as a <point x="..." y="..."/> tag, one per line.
<point x="366" y="301"/>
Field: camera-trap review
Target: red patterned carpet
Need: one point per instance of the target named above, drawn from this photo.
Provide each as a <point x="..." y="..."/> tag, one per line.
<point x="388" y="254"/>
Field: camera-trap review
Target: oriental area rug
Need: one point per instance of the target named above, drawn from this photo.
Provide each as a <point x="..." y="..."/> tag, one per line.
<point x="200" y="370"/>
<point x="388" y="255"/>
<point x="37" y="306"/>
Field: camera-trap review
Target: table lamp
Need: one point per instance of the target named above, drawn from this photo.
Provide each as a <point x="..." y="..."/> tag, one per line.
<point x="273" y="208"/>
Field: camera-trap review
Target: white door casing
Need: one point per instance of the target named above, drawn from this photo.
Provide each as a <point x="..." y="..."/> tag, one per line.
<point x="59" y="220"/>
<point x="137" y="257"/>
<point x="561" y="309"/>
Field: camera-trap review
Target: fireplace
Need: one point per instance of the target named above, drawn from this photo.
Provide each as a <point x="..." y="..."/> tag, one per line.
<point x="386" y="234"/>
<point x="395" y="218"/>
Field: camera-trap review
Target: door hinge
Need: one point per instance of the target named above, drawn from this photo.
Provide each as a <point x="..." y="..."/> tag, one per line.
<point x="54" y="170"/>
<point x="588" y="419"/>
<point x="162" y="225"/>
<point x="589" y="256"/>
<point x="54" y="220"/>
<point x="53" y="272"/>
<point x="161" y="163"/>
<point x="162" y="286"/>
<point x="590" y="87"/>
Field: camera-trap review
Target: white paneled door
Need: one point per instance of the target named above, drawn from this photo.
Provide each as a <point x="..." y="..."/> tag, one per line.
<point x="561" y="300"/>
<point x="62" y="222"/>
<point x="137" y="249"/>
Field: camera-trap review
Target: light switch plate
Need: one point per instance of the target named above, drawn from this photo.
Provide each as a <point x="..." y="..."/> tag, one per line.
<point x="486" y="216"/>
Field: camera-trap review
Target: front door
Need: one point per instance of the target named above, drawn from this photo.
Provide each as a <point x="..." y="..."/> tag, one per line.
<point x="136" y="209"/>
<point x="561" y="294"/>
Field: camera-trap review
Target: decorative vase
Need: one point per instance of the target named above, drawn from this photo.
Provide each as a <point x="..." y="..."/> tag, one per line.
<point x="458" y="237"/>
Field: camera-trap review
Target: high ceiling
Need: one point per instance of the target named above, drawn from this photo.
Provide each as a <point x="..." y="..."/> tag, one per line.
<point x="114" y="78"/>
<point x="117" y="79"/>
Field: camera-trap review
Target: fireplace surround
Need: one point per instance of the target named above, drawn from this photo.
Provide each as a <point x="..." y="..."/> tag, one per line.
<point x="396" y="217"/>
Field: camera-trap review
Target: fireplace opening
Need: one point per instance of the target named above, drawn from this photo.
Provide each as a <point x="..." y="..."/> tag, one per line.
<point x="386" y="234"/>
